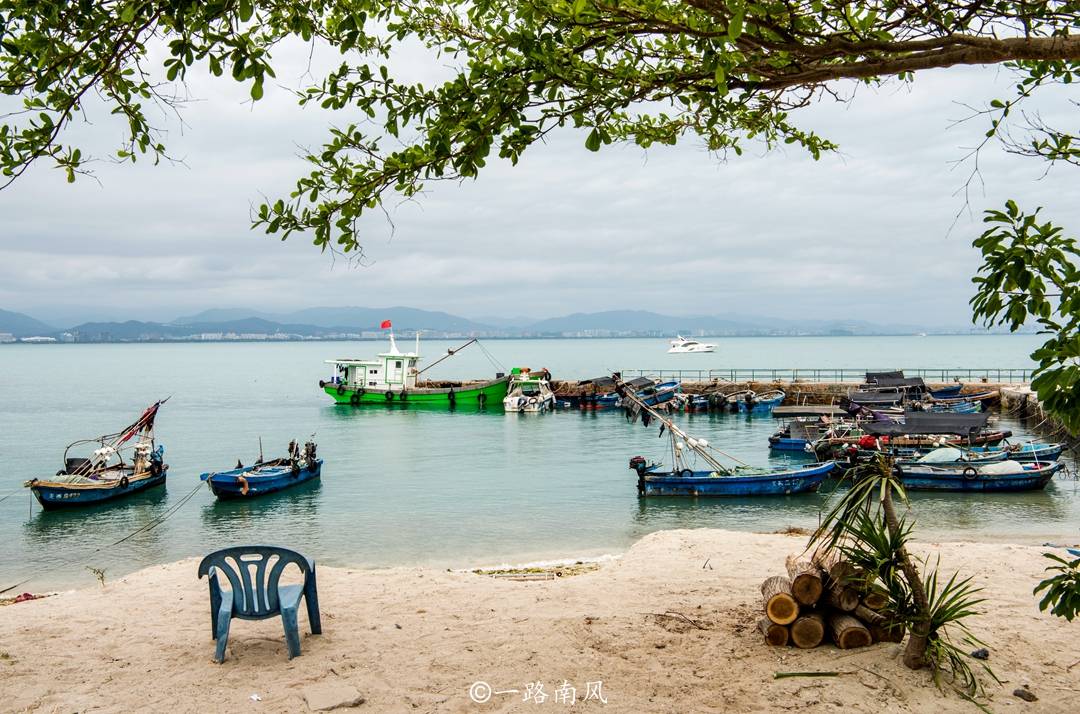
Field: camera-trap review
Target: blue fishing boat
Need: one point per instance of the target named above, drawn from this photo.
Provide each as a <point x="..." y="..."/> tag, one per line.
<point x="739" y="481"/>
<point x="953" y="390"/>
<point x="659" y="393"/>
<point x="122" y="464"/>
<point x="1002" y="477"/>
<point x="761" y="402"/>
<point x="1026" y="452"/>
<point x="267" y="476"/>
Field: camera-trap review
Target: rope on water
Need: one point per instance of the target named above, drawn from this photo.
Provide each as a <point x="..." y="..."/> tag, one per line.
<point x="18" y="490"/>
<point x="153" y="523"/>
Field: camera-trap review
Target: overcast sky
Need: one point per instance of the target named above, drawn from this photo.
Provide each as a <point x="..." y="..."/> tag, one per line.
<point x="863" y="234"/>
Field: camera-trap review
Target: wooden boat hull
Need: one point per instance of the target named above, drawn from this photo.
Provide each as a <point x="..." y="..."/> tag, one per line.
<point x="702" y="483"/>
<point x="489" y="394"/>
<point x="228" y="484"/>
<point x="970" y="480"/>
<point x="947" y="392"/>
<point x="53" y="495"/>
<point x="1028" y="453"/>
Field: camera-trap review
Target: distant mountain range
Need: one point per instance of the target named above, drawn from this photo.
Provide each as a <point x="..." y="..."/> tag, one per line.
<point x="359" y="322"/>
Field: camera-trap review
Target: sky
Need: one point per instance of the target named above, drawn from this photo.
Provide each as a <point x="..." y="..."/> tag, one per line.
<point x="879" y="231"/>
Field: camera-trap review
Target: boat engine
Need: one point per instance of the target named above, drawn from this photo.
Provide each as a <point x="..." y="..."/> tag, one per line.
<point x="638" y="463"/>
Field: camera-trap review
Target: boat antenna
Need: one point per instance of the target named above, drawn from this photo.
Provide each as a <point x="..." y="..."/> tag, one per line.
<point x="449" y="353"/>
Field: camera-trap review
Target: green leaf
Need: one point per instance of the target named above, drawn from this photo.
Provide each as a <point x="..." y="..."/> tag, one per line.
<point x="593" y="142"/>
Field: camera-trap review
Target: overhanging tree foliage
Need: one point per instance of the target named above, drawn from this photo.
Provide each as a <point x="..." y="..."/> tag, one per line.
<point x="650" y="72"/>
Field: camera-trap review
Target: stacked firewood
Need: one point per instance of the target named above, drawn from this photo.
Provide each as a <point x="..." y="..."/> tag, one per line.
<point x="825" y="597"/>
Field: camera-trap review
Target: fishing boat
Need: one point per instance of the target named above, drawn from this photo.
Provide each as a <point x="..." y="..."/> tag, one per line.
<point x="1026" y="452"/>
<point x="717" y="479"/>
<point x="761" y="402"/>
<point x="953" y="390"/>
<point x="529" y="391"/>
<point x="738" y="481"/>
<point x="947" y="457"/>
<point x="683" y="345"/>
<point x="265" y="477"/>
<point x="122" y="464"/>
<point x="909" y="429"/>
<point x="797" y="434"/>
<point x="392" y="378"/>
<point x="1001" y="477"/>
<point x="661" y="393"/>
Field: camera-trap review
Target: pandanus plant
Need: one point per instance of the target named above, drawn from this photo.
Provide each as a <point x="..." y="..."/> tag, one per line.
<point x="864" y="526"/>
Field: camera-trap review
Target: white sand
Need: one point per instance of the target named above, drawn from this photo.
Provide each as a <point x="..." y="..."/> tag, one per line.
<point x="416" y="639"/>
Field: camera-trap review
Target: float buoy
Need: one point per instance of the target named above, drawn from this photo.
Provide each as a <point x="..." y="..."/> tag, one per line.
<point x="355" y="398"/>
<point x="340" y="389"/>
<point x="970" y="472"/>
<point x="243" y="485"/>
<point x="389" y="395"/>
<point x="124" y="482"/>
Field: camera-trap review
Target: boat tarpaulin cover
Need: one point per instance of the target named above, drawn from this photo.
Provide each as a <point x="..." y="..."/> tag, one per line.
<point x="876" y="377"/>
<point x="876" y="397"/>
<point x="906" y="382"/>
<point x="924" y="423"/>
<point x="640" y="383"/>
<point x="599" y="382"/>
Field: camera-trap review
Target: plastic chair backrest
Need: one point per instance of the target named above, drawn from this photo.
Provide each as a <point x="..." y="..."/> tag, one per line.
<point x="254" y="584"/>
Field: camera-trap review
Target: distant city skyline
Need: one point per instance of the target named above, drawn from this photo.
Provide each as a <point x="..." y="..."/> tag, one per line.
<point x="876" y="232"/>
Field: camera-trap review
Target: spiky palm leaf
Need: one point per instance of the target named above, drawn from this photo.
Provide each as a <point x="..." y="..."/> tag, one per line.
<point x="950" y="605"/>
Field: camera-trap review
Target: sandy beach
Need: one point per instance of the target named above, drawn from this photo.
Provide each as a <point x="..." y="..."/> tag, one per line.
<point x="668" y="627"/>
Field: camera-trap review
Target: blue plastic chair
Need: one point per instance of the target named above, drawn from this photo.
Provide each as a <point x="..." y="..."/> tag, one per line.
<point x="261" y="596"/>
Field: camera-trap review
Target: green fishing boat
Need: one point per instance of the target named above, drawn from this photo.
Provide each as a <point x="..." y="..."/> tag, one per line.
<point x="393" y="378"/>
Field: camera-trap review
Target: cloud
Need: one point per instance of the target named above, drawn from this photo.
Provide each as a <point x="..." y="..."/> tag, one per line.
<point x="869" y="233"/>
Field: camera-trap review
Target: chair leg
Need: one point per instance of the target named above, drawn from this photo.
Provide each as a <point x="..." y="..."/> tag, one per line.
<point x="224" y="618"/>
<point x="292" y="631"/>
<point x="311" y="599"/>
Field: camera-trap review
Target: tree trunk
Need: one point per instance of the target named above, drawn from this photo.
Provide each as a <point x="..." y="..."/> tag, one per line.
<point x="808" y="631"/>
<point x="847" y="632"/>
<point x="780" y="604"/>
<point x="889" y="631"/>
<point x="870" y="617"/>
<point x="775" y="635"/>
<point x="806" y="579"/>
<point x="842" y="598"/>
<point x="915" y="653"/>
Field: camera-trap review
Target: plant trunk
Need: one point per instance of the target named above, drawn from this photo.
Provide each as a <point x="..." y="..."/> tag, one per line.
<point x="915" y="653"/>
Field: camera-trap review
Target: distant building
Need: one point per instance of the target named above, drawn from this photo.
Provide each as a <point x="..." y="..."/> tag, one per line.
<point x="6" y="337"/>
<point x="37" y="340"/>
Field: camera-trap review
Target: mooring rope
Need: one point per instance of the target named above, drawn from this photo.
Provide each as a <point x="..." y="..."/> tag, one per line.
<point x="18" y="490"/>
<point x="153" y="523"/>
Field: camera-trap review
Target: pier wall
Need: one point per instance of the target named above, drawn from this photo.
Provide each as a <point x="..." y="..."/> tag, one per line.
<point x="799" y="392"/>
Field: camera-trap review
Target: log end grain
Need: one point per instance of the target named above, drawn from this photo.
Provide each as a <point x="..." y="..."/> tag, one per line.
<point x="808" y="631"/>
<point x="775" y="635"/>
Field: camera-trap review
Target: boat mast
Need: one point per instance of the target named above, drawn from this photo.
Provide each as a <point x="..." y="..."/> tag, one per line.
<point x="449" y="353"/>
<point x="695" y="444"/>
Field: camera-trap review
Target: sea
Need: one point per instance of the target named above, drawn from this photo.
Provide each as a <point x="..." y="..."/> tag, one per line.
<point x="420" y="487"/>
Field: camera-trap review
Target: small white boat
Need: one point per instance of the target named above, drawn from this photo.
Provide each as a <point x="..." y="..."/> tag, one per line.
<point x="683" y="345"/>
<point x="529" y="391"/>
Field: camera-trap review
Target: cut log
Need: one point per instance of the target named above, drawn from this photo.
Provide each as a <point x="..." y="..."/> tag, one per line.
<point x="888" y="631"/>
<point x="806" y="580"/>
<point x="780" y="604"/>
<point x="808" y="631"/>
<point x="847" y="632"/>
<point x="843" y="599"/>
<point x="876" y="599"/>
<point x="775" y="635"/>
<point x="870" y="617"/>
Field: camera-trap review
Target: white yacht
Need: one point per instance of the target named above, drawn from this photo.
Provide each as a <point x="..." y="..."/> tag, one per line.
<point x="682" y="345"/>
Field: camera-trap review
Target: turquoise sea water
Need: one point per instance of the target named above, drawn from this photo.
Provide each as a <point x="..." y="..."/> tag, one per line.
<point x="412" y="486"/>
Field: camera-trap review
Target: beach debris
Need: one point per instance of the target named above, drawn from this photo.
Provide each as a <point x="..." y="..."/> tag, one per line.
<point x="24" y="597"/>
<point x="255" y="698"/>
<point x="327" y="695"/>
<point x="786" y="675"/>
<point x="981" y="653"/>
<point x="1025" y="693"/>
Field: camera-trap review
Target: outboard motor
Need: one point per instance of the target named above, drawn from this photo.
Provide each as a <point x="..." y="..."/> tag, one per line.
<point x="639" y="464"/>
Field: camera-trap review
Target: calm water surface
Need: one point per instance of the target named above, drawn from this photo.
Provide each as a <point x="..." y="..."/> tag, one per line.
<point x="412" y="486"/>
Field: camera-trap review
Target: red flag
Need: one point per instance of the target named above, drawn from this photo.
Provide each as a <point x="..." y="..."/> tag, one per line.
<point x="385" y="325"/>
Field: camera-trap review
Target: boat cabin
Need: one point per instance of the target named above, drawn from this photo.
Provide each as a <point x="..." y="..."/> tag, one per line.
<point x="390" y="371"/>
